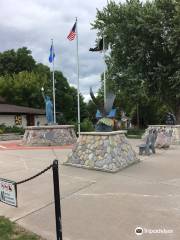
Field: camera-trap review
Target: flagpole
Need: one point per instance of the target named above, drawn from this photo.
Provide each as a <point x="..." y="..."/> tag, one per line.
<point x="54" y="96"/>
<point x="104" y="71"/>
<point x="79" y="129"/>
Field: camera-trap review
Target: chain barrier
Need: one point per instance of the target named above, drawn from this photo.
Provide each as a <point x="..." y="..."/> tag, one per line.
<point x="38" y="174"/>
<point x="57" y="203"/>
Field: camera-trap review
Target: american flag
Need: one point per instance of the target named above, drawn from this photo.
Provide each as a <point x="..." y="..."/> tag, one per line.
<point x="72" y="33"/>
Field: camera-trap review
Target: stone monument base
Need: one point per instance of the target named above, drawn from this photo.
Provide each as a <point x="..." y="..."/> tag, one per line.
<point x="175" y="139"/>
<point x="50" y="135"/>
<point x="104" y="151"/>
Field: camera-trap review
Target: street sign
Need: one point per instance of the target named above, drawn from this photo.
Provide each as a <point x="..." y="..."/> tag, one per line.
<point x="8" y="192"/>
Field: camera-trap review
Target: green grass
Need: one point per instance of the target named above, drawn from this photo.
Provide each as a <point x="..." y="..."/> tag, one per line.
<point x="11" y="231"/>
<point x="133" y="136"/>
<point x="135" y="133"/>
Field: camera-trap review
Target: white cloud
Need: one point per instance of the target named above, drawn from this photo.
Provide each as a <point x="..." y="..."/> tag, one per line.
<point x="90" y="81"/>
<point x="33" y="23"/>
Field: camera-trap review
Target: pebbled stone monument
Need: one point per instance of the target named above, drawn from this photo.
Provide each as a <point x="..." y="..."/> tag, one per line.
<point x="175" y="138"/>
<point x="51" y="135"/>
<point x="104" y="151"/>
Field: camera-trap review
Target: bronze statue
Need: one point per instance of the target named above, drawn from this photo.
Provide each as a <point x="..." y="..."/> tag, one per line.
<point x="105" y="114"/>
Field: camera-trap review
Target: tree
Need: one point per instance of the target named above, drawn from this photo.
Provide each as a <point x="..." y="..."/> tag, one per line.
<point x="42" y="69"/>
<point x="24" y="88"/>
<point x="66" y="99"/>
<point x="144" y="61"/>
<point x="12" y="61"/>
<point x="21" y="80"/>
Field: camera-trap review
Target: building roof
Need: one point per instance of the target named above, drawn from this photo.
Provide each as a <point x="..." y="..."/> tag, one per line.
<point x="11" y="109"/>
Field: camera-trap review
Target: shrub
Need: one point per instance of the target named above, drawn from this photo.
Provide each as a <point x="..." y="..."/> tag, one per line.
<point x="87" y="126"/>
<point x="135" y="131"/>
<point x="9" y="129"/>
<point x="1" y="131"/>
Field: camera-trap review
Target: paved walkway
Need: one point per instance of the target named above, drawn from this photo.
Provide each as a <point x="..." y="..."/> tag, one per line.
<point x="17" y="145"/>
<point x="96" y="205"/>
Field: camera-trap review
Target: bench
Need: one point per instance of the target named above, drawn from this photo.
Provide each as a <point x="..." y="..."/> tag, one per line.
<point x="149" y="145"/>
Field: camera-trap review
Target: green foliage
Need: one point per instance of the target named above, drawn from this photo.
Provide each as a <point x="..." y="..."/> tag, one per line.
<point x="151" y="111"/>
<point x="42" y="69"/>
<point x="9" y="231"/>
<point x="8" y="129"/>
<point x="87" y="126"/>
<point x="135" y="133"/>
<point x="23" y="88"/>
<point x="6" y="228"/>
<point x="106" y="121"/>
<point x="16" y="61"/>
<point x="1" y="131"/>
<point x="144" y="61"/>
<point x="66" y="99"/>
<point x="123" y="126"/>
<point x="21" y="80"/>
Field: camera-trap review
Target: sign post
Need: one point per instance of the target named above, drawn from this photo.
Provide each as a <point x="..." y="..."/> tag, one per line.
<point x="8" y="192"/>
<point x="57" y="200"/>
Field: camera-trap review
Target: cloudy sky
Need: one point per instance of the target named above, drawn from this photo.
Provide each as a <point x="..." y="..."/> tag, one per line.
<point x="32" y="23"/>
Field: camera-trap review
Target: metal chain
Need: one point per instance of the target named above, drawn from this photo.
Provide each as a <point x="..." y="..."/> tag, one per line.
<point x="38" y="174"/>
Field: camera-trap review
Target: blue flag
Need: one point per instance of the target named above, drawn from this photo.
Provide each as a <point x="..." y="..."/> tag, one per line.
<point x="52" y="54"/>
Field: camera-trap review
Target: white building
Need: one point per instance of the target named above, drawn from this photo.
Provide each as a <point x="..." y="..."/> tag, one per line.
<point x="13" y="115"/>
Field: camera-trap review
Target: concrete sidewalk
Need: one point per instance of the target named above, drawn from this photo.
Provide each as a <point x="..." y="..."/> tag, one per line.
<point x="96" y="205"/>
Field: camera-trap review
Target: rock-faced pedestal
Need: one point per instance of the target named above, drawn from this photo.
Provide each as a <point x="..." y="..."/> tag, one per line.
<point x="105" y="151"/>
<point x="175" y="139"/>
<point x="51" y="135"/>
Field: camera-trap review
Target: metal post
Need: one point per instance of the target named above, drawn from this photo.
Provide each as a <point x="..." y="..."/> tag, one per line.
<point x="54" y="94"/>
<point x="57" y="200"/>
<point x="77" y="51"/>
<point x="104" y="71"/>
